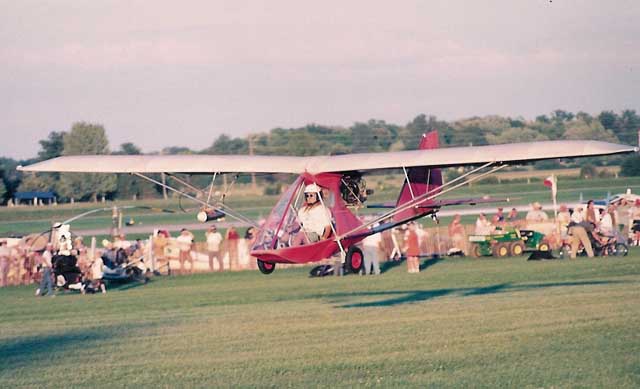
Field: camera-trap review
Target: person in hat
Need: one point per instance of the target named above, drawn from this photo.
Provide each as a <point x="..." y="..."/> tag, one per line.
<point x="536" y="214"/>
<point x="313" y="216"/>
<point x="185" y="244"/>
<point x="563" y="219"/>
<point x="214" y="239"/>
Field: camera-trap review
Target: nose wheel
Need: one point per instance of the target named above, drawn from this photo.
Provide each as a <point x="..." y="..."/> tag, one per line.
<point x="266" y="267"/>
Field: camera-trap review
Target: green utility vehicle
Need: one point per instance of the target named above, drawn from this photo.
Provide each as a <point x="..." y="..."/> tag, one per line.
<point x="506" y="243"/>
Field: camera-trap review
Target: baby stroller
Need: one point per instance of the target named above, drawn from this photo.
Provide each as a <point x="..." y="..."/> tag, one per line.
<point x="67" y="273"/>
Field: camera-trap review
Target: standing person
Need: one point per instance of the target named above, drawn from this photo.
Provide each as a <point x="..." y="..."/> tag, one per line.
<point x="371" y="247"/>
<point x="412" y="245"/>
<point x="623" y="217"/>
<point x="634" y="220"/>
<point x="185" y="244"/>
<point x="563" y="220"/>
<point x="536" y="214"/>
<point x="513" y="215"/>
<point x="46" y="282"/>
<point x="395" y="251"/>
<point x="249" y="239"/>
<point x="160" y="241"/>
<point x="5" y="253"/>
<point x="232" y="247"/>
<point x="577" y="216"/>
<point x="591" y="216"/>
<point x="456" y="234"/>
<point x="214" y="238"/>
<point x="579" y="235"/>
<point x="498" y="218"/>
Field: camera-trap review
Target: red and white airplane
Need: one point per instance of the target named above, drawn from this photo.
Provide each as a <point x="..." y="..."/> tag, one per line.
<point x="340" y="178"/>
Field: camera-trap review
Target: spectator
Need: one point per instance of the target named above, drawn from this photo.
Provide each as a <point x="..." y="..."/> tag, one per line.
<point x="5" y="254"/>
<point x="412" y="247"/>
<point x="623" y="217"/>
<point x="498" y="218"/>
<point x="606" y="223"/>
<point x="214" y="238"/>
<point x="371" y="247"/>
<point x="232" y="247"/>
<point x="590" y="215"/>
<point x="456" y="234"/>
<point x="634" y="217"/>
<point x="536" y="214"/>
<point x="396" y="254"/>
<point x="160" y="242"/>
<point x="185" y="244"/>
<point x="563" y="219"/>
<point x="483" y="226"/>
<point x="46" y="282"/>
<point x="578" y="233"/>
<point x="513" y="215"/>
<point x="577" y="216"/>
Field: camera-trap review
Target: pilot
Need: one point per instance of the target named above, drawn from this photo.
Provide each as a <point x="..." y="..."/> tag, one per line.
<point x="314" y="218"/>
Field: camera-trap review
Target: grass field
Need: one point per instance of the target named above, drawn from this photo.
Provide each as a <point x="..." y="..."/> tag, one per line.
<point x="459" y="323"/>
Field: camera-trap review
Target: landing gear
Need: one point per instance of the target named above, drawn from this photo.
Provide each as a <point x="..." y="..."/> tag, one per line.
<point x="266" y="267"/>
<point x="354" y="260"/>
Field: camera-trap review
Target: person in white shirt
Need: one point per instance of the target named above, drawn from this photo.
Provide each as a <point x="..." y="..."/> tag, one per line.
<point x="185" y="242"/>
<point x="483" y="226"/>
<point x="606" y="223"/>
<point x="214" y="238"/>
<point x="314" y="218"/>
<point x="371" y="252"/>
<point x="577" y="216"/>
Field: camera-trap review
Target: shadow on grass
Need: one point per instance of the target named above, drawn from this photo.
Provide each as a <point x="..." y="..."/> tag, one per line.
<point x="389" y="264"/>
<point x="391" y="298"/>
<point x="34" y="351"/>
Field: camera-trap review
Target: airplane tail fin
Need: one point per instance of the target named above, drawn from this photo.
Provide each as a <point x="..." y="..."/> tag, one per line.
<point x="421" y="180"/>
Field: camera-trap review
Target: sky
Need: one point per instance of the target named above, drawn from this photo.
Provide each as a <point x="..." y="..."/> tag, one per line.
<point x="167" y="73"/>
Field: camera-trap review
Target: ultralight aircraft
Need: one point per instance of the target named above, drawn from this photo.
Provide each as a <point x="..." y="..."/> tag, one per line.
<point x="338" y="184"/>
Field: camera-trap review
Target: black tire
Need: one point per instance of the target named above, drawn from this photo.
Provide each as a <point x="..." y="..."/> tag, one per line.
<point x="501" y="250"/>
<point x="354" y="259"/>
<point x="565" y="252"/>
<point x="516" y="249"/>
<point x="266" y="267"/>
<point x="621" y="250"/>
<point x="475" y="251"/>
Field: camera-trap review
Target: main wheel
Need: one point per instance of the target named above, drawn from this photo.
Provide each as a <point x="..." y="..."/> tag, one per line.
<point x="500" y="250"/>
<point x="516" y="248"/>
<point x="266" y="267"/>
<point x="354" y="259"/>
<point x="621" y="250"/>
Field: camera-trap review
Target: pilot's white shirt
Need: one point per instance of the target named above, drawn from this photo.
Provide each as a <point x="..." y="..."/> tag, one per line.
<point x="314" y="219"/>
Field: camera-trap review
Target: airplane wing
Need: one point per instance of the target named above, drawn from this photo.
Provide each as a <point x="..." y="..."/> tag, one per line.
<point x="443" y="157"/>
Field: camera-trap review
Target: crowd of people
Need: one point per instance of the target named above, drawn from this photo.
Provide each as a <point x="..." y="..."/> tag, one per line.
<point x="21" y="264"/>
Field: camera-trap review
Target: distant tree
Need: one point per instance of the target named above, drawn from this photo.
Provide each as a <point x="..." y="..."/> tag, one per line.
<point x="128" y="148"/>
<point x="85" y="138"/>
<point x="514" y="135"/>
<point x="629" y="127"/>
<point x="578" y="129"/>
<point x="3" y="191"/>
<point x="630" y="167"/>
<point x="226" y="145"/>
<point x="40" y="183"/>
<point x="51" y="147"/>
<point x="588" y="171"/>
<point x="175" y="150"/>
<point x="562" y="116"/>
<point x="608" y="119"/>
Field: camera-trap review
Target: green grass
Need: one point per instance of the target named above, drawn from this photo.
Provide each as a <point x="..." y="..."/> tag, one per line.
<point x="459" y="323"/>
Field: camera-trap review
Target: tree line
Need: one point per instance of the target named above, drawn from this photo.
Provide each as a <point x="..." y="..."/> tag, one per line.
<point x="315" y="139"/>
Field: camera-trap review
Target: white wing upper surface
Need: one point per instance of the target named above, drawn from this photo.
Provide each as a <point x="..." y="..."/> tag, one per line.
<point x="453" y="156"/>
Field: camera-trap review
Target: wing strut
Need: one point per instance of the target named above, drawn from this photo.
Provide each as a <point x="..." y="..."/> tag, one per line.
<point x="227" y="209"/>
<point x="430" y="194"/>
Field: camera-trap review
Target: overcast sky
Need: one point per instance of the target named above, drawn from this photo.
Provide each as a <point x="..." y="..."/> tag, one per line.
<point x="169" y="73"/>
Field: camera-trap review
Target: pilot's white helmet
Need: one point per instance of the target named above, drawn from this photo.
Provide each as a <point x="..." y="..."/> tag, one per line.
<point x="312" y="188"/>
